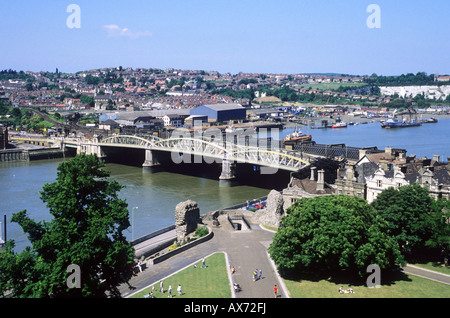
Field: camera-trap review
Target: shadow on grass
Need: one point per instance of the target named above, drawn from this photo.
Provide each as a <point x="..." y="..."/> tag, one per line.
<point x="344" y="277"/>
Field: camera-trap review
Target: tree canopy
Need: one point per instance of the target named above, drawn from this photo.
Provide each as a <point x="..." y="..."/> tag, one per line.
<point x="408" y="211"/>
<point x="86" y="230"/>
<point x="331" y="232"/>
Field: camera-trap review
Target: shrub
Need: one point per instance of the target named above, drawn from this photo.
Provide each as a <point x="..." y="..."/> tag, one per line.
<point x="201" y="231"/>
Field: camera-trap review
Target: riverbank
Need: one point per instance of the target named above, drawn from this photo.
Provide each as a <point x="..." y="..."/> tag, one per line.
<point x="31" y="154"/>
<point x="355" y="119"/>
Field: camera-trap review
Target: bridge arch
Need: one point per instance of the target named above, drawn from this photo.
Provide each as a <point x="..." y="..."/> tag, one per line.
<point x="213" y="149"/>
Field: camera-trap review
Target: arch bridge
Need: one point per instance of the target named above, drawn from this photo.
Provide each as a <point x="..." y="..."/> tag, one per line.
<point x="212" y="150"/>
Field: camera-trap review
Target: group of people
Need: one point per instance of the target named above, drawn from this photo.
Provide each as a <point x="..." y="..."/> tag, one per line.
<point x="345" y="291"/>
<point x="161" y="289"/>
<point x="257" y="274"/>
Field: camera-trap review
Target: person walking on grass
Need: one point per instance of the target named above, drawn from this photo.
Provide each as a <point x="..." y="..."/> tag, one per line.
<point x="179" y="289"/>
<point x="203" y="263"/>
<point x="170" y="291"/>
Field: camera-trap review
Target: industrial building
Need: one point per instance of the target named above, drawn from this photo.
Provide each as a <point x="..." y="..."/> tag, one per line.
<point x="221" y="113"/>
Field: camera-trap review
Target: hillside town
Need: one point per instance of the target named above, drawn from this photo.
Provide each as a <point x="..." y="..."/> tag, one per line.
<point x="125" y="98"/>
<point x="128" y="101"/>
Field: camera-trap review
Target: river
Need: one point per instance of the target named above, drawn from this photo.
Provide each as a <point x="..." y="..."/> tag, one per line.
<point x="152" y="194"/>
<point x="423" y="141"/>
<point x="155" y="193"/>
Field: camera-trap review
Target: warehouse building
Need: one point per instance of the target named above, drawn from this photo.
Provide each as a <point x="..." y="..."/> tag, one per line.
<point x="221" y="113"/>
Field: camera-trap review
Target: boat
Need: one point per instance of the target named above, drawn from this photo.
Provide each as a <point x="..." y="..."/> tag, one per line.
<point x="297" y="136"/>
<point x="340" y="124"/>
<point x="431" y="120"/>
<point x="395" y="123"/>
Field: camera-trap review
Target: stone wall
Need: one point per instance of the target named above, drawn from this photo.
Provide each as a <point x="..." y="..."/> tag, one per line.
<point x="273" y="212"/>
<point x="187" y="218"/>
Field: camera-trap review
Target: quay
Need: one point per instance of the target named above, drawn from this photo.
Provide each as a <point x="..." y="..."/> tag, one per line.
<point x="18" y="154"/>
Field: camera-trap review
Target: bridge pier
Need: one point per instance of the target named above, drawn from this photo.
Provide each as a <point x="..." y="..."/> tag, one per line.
<point x="228" y="176"/>
<point x="90" y="148"/>
<point x="150" y="159"/>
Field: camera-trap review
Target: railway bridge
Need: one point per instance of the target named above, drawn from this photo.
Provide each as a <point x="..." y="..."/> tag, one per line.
<point x="188" y="149"/>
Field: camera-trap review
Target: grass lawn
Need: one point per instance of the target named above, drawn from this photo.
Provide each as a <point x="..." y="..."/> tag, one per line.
<point x="213" y="282"/>
<point x="209" y="282"/>
<point x="399" y="285"/>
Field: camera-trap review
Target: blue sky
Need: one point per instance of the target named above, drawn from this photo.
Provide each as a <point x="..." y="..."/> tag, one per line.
<point x="259" y="36"/>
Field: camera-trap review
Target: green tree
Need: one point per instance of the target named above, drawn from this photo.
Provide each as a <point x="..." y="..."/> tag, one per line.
<point x="440" y="237"/>
<point x="333" y="232"/>
<point x="408" y="211"/>
<point x="86" y="230"/>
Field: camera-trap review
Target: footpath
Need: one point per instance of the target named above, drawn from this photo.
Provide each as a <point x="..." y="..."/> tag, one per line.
<point x="428" y="274"/>
<point x="245" y="250"/>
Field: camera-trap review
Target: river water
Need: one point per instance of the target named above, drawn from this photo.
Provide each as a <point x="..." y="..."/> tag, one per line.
<point x="423" y="141"/>
<point x="152" y="194"/>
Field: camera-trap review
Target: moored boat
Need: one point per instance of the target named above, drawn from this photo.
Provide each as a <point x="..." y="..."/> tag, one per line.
<point x="395" y="123"/>
<point x="431" y="120"/>
<point x="339" y="125"/>
<point x="297" y="136"/>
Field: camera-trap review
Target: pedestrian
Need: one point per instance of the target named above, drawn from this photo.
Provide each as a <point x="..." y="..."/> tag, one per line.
<point x="179" y="289"/>
<point x="254" y="276"/>
<point x="161" y="286"/>
<point x="275" y="290"/>
<point x="260" y="274"/>
<point x="139" y="265"/>
<point x="170" y="291"/>
<point x="203" y="263"/>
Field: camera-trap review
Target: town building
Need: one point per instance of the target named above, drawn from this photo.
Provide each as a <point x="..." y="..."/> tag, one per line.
<point x="427" y="173"/>
<point x="312" y="181"/>
<point x="173" y="120"/>
<point x="375" y="172"/>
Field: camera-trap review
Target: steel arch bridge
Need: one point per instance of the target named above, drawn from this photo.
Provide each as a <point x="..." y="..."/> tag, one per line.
<point x="219" y="150"/>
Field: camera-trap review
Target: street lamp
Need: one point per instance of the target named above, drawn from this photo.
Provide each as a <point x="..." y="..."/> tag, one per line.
<point x="132" y="222"/>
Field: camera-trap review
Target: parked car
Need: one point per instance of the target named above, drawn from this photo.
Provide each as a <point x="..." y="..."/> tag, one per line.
<point x="260" y="205"/>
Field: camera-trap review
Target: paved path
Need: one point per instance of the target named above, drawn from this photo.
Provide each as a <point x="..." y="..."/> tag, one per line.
<point x="425" y="273"/>
<point x="246" y="251"/>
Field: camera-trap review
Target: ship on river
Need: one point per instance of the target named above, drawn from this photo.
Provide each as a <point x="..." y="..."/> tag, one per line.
<point x="297" y="136"/>
<point x="395" y="123"/>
